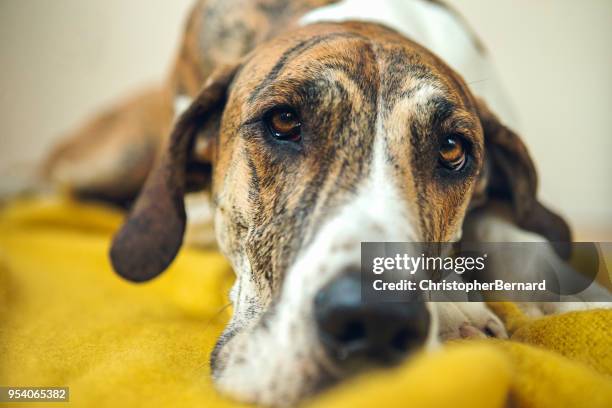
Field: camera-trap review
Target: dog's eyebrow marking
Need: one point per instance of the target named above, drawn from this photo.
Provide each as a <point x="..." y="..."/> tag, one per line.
<point x="303" y="92"/>
<point x="293" y="52"/>
<point x="426" y="96"/>
<point x="442" y="109"/>
<point x="288" y="90"/>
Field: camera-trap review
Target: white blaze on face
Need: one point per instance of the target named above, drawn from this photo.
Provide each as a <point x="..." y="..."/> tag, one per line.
<point x="378" y="212"/>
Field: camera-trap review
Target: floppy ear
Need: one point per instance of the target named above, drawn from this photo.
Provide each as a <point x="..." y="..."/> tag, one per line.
<point x="511" y="176"/>
<point x="151" y="236"/>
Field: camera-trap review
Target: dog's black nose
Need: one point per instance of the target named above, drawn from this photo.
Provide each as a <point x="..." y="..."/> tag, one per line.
<point x="354" y="332"/>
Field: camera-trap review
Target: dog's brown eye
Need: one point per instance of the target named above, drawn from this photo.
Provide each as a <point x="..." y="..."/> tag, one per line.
<point x="452" y="153"/>
<point x="284" y="124"/>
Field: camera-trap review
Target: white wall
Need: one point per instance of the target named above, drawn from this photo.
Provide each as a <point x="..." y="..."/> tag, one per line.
<point x="555" y="58"/>
<point x="63" y="59"/>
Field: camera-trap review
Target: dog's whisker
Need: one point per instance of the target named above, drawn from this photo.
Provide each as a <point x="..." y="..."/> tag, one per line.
<point x="216" y="315"/>
<point x="478" y="81"/>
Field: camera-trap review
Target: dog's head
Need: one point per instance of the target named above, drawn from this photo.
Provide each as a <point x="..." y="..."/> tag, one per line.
<point x="326" y="136"/>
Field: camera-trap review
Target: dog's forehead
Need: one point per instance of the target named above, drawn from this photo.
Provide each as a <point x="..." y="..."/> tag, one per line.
<point x="375" y="54"/>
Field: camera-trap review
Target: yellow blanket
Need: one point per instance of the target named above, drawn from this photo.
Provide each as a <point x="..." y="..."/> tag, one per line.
<point x="67" y="320"/>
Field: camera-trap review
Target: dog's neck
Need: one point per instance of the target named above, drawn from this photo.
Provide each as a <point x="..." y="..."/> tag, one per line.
<point x="436" y="28"/>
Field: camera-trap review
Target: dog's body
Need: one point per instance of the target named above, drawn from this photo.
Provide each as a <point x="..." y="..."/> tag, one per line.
<point x="320" y="136"/>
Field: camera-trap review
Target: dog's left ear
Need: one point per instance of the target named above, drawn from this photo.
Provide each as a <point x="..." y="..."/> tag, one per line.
<point x="511" y="176"/>
<point x="152" y="235"/>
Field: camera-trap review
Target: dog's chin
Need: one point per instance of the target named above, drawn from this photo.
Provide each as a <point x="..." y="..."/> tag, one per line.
<point x="260" y="369"/>
<point x="283" y="392"/>
<point x="279" y="377"/>
<point x="274" y="359"/>
<point x="268" y="366"/>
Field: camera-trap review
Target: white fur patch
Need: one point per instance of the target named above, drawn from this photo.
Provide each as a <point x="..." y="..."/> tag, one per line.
<point x="437" y="29"/>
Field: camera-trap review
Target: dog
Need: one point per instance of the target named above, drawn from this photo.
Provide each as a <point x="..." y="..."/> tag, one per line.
<point x="312" y="126"/>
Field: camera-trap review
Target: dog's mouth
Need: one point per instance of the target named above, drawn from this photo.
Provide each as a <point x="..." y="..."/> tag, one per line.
<point x="291" y="376"/>
<point x="300" y="353"/>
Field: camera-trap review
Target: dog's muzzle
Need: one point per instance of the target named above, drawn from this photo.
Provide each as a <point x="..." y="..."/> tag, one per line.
<point x="356" y="333"/>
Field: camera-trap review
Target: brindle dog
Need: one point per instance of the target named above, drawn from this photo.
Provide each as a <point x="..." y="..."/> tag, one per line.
<point x="308" y="140"/>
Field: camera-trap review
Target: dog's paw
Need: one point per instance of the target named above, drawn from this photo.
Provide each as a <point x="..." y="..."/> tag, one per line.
<point x="468" y="320"/>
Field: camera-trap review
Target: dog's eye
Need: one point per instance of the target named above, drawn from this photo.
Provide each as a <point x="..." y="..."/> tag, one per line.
<point x="283" y="124"/>
<point x="452" y="153"/>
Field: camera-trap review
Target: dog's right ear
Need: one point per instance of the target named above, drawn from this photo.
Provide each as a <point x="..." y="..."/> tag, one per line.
<point x="510" y="176"/>
<point x="152" y="235"/>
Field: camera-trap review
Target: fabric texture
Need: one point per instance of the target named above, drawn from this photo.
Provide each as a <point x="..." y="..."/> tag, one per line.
<point x="67" y="320"/>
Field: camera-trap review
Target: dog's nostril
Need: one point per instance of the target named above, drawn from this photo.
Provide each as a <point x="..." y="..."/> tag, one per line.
<point x="356" y="332"/>
<point x="402" y="340"/>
